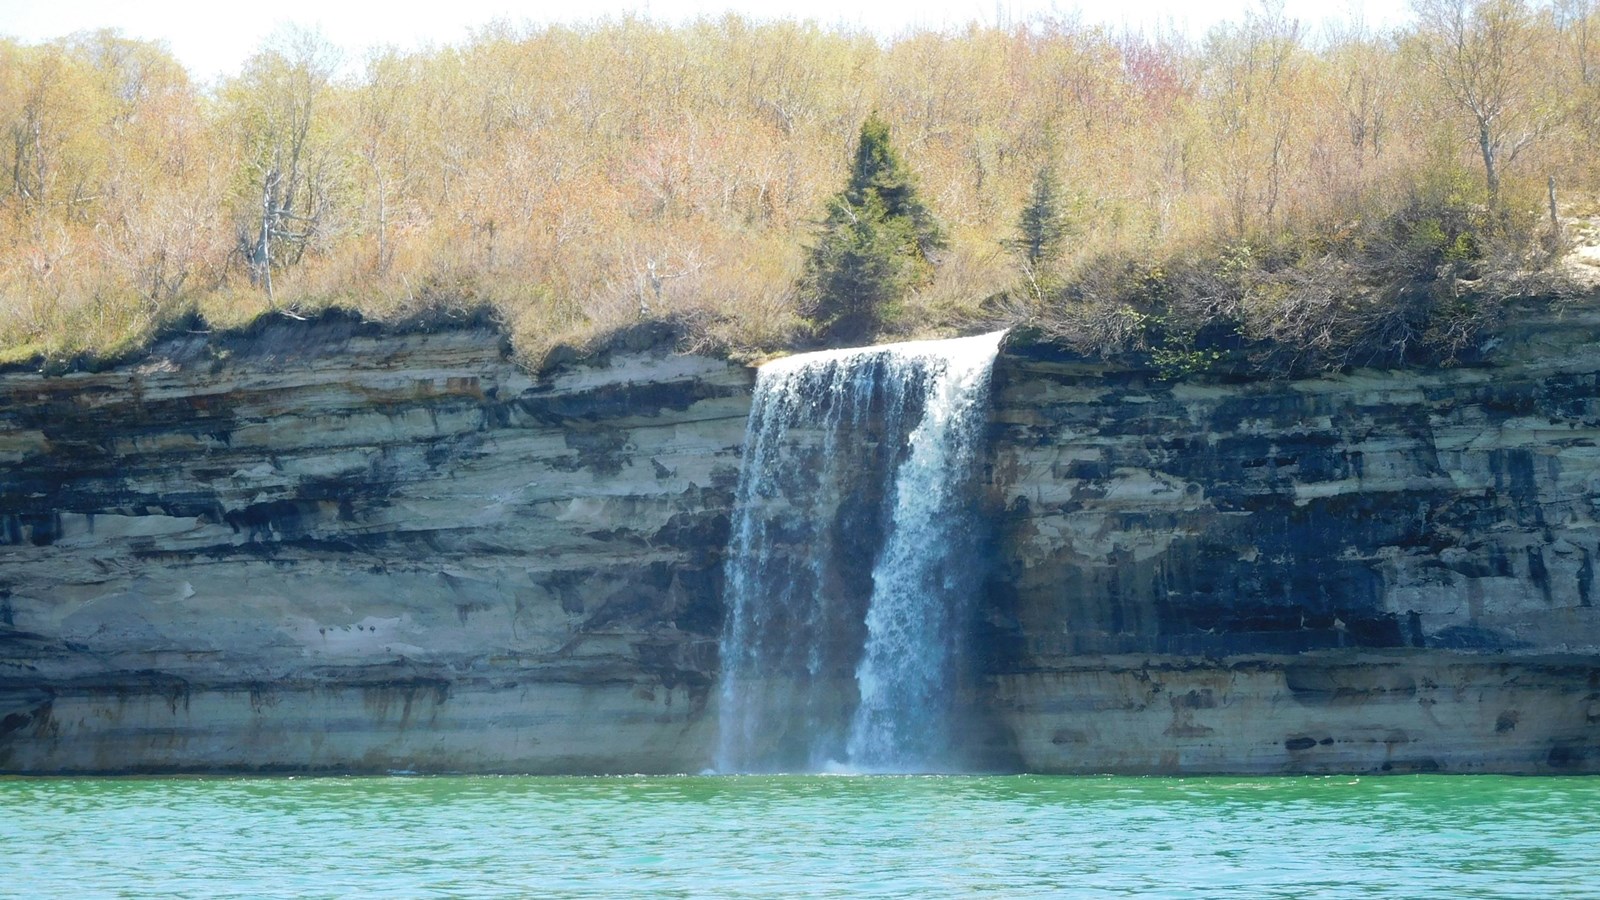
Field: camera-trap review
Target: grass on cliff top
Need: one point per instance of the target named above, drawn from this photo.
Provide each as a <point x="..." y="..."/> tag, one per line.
<point x="1423" y="290"/>
<point x="1422" y="286"/>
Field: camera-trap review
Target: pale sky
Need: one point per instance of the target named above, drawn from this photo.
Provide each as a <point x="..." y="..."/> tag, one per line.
<point x="213" y="38"/>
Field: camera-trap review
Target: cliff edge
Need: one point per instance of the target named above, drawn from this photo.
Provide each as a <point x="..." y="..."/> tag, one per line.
<point x="328" y="546"/>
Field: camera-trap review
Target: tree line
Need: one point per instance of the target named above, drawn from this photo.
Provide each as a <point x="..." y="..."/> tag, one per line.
<point x="1270" y="193"/>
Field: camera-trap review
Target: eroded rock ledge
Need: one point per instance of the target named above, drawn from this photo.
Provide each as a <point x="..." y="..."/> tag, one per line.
<point x="323" y="546"/>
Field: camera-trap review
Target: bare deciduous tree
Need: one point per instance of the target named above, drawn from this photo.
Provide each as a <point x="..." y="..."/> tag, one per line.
<point x="1249" y="72"/>
<point x="1485" y="55"/>
<point x="282" y="93"/>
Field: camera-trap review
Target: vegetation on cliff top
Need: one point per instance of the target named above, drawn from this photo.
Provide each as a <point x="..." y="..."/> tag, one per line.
<point x="1263" y="198"/>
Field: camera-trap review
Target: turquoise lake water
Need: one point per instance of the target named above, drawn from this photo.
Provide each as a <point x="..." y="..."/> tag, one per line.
<point x="804" y="836"/>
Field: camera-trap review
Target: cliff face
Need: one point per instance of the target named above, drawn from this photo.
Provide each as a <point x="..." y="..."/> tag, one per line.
<point x="317" y="546"/>
<point x="324" y="546"/>
<point x="1380" y="571"/>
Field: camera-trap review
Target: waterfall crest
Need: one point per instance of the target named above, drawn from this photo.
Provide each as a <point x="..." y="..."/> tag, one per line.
<point x="853" y="559"/>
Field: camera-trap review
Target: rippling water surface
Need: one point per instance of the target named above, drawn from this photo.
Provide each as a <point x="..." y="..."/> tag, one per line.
<point x="810" y="836"/>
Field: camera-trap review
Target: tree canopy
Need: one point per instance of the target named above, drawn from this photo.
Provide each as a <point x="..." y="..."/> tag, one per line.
<point x="578" y="177"/>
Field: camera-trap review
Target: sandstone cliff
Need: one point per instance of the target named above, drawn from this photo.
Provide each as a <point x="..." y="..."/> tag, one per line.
<point x="329" y="546"/>
<point x="1381" y="571"/>
<point x="322" y="546"/>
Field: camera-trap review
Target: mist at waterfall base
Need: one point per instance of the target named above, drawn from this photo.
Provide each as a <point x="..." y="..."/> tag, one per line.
<point x="853" y="561"/>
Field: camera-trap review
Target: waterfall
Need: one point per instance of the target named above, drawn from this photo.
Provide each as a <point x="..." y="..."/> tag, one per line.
<point x="853" y="559"/>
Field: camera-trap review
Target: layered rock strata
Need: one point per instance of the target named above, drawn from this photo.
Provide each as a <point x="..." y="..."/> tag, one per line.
<point x="1381" y="571"/>
<point x="320" y="546"/>
<point x="326" y="546"/>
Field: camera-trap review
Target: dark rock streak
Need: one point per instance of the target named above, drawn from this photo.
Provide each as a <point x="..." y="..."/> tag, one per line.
<point x="323" y="546"/>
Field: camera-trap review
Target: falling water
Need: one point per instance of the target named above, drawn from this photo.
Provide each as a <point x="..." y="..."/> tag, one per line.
<point x="852" y="561"/>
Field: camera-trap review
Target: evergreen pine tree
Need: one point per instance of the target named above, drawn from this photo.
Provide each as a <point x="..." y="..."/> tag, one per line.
<point x="1043" y="224"/>
<point x="874" y="245"/>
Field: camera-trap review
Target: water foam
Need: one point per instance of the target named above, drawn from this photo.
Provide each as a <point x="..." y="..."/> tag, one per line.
<point x="853" y="456"/>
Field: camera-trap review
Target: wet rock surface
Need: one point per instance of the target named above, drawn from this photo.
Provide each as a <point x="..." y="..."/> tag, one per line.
<point x="324" y="546"/>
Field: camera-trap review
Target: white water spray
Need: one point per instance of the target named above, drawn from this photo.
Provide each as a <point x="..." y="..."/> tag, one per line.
<point x="852" y="559"/>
